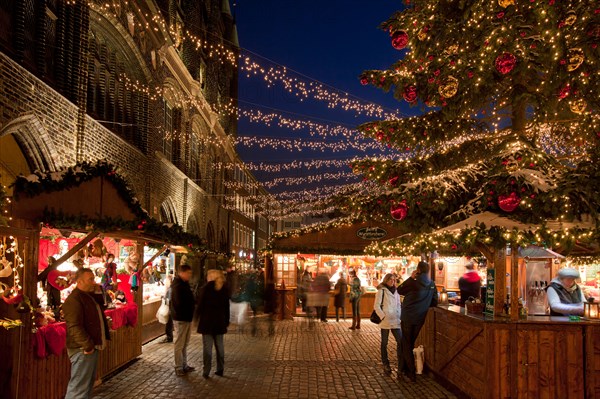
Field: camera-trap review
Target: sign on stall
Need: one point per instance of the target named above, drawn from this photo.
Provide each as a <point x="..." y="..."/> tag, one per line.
<point x="489" y="293"/>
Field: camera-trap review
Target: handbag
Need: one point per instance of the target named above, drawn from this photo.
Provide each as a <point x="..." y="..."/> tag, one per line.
<point x="374" y="316"/>
<point x="162" y="314"/>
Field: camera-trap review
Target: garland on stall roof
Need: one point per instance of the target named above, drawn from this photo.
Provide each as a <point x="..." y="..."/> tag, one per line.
<point x="467" y="239"/>
<point x="49" y="182"/>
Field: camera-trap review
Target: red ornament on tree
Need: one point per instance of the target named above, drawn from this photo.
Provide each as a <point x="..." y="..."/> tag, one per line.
<point x="399" y="211"/>
<point x="508" y="203"/>
<point x="410" y="94"/>
<point x="393" y="181"/>
<point x="399" y="39"/>
<point x="505" y="63"/>
<point x="364" y="81"/>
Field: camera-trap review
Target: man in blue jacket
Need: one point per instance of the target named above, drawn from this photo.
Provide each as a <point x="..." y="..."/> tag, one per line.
<point x="182" y="311"/>
<point x="419" y="295"/>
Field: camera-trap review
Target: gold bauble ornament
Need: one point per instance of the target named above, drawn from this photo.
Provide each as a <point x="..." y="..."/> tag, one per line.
<point x="575" y="58"/>
<point x="449" y="87"/>
<point x="451" y="50"/>
<point x="571" y="18"/>
<point x="422" y="35"/>
<point x="578" y="106"/>
<point x="506" y="3"/>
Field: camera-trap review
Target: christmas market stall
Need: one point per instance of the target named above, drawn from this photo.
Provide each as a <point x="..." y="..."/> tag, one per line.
<point x="83" y="216"/>
<point x="334" y="248"/>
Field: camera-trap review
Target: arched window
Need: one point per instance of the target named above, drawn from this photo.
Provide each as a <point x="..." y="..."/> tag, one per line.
<point x="210" y="236"/>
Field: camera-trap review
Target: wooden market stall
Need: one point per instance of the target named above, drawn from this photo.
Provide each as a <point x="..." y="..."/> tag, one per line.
<point x="292" y="252"/>
<point x="504" y="352"/>
<point x="35" y="363"/>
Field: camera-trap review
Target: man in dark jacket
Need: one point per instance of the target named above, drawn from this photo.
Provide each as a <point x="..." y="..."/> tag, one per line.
<point x="182" y="311"/>
<point x="87" y="333"/>
<point x="419" y="295"/>
<point x="469" y="284"/>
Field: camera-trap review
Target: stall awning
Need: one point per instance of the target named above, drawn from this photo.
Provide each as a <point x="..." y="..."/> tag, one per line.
<point x="345" y="239"/>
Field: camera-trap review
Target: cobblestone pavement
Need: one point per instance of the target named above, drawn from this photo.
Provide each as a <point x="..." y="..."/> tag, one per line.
<point x="301" y="360"/>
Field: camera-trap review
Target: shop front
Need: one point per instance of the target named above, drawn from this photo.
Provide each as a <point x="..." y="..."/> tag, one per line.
<point x="51" y="234"/>
<point x="336" y="251"/>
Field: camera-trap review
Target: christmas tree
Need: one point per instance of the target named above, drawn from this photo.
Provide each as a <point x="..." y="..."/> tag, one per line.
<point x="509" y="91"/>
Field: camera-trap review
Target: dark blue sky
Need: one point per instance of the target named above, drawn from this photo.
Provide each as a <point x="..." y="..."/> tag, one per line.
<point x="329" y="41"/>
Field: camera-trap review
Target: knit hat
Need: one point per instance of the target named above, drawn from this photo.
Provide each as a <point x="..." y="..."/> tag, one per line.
<point x="568" y="272"/>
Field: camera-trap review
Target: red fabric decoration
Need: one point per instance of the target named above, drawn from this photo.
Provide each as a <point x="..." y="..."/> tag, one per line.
<point x="393" y="181"/>
<point x="505" y="63"/>
<point x="399" y="211"/>
<point x="50" y="340"/>
<point x="399" y="39"/>
<point x="59" y="280"/>
<point x="410" y="94"/>
<point x="508" y="203"/>
<point x="565" y="91"/>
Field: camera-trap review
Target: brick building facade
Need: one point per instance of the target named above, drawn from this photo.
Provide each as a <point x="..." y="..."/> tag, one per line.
<point x="135" y="83"/>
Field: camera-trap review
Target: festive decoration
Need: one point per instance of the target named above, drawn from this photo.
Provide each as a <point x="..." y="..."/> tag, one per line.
<point x="575" y="58"/>
<point x="509" y="203"/>
<point x="399" y="39"/>
<point x="410" y="94"/>
<point x="449" y="88"/>
<point x="8" y="323"/>
<point x="505" y="63"/>
<point x="578" y="106"/>
<point x="506" y="3"/>
<point x="399" y="211"/>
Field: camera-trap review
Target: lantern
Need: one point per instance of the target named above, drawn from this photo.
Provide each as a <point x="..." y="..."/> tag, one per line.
<point x="443" y="297"/>
<point x="591" y="309"/>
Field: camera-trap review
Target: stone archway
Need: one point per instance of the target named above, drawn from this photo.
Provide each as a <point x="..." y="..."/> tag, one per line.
<point x="168" y="214"/>
<point x="34" y="142"/>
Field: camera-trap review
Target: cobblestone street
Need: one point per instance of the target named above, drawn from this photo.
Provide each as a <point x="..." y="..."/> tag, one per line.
<point x="323" y="360"/>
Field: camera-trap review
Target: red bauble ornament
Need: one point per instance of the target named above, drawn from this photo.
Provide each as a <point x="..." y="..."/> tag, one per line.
<point x="508" y="203"/>
<point x="399" y="39"/>
<point x="410" y="94"/>
<point x="364" y="81"/>
<point x="505" y="63"/>
<point x="399" y="211"/>
<point x="393" y="181"/>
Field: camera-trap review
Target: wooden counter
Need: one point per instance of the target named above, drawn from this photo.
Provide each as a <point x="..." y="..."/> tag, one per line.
<point x="537" y="357"/>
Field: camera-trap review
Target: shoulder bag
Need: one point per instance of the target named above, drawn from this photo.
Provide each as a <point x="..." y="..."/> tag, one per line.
<point x="374" y="316"/>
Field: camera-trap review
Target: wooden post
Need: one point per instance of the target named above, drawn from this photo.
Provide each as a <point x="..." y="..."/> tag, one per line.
<point x="500" y="287"/>
<point x="514" y="283"/>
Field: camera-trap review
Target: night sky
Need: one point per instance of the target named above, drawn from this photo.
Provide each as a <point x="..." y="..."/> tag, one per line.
<point x="328" y="41"/>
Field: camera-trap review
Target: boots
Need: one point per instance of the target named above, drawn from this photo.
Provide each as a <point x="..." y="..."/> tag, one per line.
<point x="358" y="322"/>
<point x="353" y="323"/>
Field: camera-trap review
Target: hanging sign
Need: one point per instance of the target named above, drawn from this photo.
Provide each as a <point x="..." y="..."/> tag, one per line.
<point x="489" y="293"/>
<point x="371" y="233"/>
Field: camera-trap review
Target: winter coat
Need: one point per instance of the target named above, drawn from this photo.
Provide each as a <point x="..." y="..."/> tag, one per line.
<point x="213" y="310"/>
<point x="339" y="300"/>
<point x="564" y="301"/>
<point x="469" y="285"/>
<point x="182" y="300"/>
<point x="84" y="328"/>
<point x="389" y="312"/>
<point x="419" y="295"/>
<point x="355" y="289"/>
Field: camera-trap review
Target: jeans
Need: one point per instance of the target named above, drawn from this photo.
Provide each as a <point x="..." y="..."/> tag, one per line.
<point x="385" y="333"/>
<point x="183" y="329"/>
<point x="207" y="344"/>
<point x="355" y="307"/>
<point x="83" y="371"/>
<point x="410" y="332"/>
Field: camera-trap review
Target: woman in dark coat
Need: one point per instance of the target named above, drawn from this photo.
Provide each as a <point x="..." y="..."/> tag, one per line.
<point x="213" y="320"/>
<point x="339" y="300"/>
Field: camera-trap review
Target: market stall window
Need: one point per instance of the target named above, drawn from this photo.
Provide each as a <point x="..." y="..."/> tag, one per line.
<point x="286" y="269"/>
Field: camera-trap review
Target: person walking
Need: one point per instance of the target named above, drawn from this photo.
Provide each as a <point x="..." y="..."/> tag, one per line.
<point x="87" y="333"/>
<point x="339" y="299"/>
<point x="356" y="292"/>
<point x="320" y="288"/>
<point x="182" y="312"/>
<point x="213" y="312"/>
<point x="419" y="295"/>
<point x="388" y="308"/>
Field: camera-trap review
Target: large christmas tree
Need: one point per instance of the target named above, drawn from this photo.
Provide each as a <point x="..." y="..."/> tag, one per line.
<point x="510" y="126"/>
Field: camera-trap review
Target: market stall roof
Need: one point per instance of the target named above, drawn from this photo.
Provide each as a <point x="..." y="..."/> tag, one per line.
<point x="491" y="219"/>
<point x="535" y="252"/>
<point x="342" y="239"/>
<point x="93" y="199"/>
